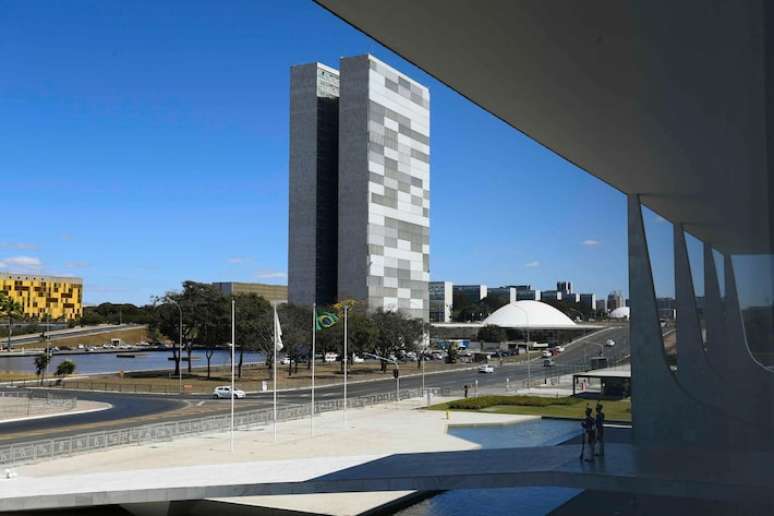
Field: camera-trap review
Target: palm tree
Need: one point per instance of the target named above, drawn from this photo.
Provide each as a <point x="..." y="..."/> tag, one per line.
<point x="10" y="309"/>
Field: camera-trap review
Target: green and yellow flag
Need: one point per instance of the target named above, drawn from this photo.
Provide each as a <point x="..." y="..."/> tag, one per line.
<point x="324" y="320"/>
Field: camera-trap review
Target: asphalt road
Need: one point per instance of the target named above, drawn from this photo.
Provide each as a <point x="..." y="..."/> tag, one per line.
<point x="138" y="405"/>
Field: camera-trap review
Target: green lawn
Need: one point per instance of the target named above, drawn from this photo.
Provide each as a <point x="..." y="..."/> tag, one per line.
<point x="563" y="407"/>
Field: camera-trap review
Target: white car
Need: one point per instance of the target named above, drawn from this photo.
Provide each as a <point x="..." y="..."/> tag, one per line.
<point x="547" y="354"/>
<point x="559" y="349"/>
<point x="331" y="357"/>
<point x="224" y="392"/>
<point x="284" y="361"/>
<point x="357" y="360"/>
<point x="610" y="343"/>
<point x="486" y="369"/>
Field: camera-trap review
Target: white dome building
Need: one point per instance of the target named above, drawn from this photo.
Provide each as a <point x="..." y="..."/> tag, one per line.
<point x="529" y="314"/>
<point x="622" y="312"/>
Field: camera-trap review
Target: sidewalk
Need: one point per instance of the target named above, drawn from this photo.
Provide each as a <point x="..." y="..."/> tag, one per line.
<point x="380" y="430"/>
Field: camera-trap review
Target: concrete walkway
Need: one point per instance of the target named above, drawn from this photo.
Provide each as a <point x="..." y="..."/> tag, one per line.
<point x="366" y="435"/>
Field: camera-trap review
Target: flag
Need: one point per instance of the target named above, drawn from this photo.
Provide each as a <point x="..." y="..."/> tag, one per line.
<point x="277" y="331"/>
<point x="324" y="320"/>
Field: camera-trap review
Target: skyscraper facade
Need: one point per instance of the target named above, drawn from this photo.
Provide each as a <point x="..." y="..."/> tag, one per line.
<point x="382" y="251"/>
<point x="314" y="178"/>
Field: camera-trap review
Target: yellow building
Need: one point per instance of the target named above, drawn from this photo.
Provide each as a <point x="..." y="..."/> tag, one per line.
<point x="45" y="296"/>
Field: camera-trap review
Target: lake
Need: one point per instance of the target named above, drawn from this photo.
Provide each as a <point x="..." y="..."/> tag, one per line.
<point x="110" y="363"/>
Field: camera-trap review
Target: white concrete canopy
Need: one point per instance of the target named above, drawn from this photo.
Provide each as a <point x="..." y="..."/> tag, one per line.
<point x="529" y="314"/>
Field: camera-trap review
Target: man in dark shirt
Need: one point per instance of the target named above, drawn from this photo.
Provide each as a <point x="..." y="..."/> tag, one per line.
<point x="588" y="427"/>
<point x="599" y="426"/>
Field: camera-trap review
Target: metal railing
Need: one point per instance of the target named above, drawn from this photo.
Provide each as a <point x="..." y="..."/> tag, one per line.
<point x="46" y="449"/>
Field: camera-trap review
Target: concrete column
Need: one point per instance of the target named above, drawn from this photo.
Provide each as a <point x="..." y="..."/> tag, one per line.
<point x="660" y="409"/>
<point x="714" y="316"/>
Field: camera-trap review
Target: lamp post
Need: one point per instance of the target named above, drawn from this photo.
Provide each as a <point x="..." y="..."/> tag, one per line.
<point x="397" y="369"/>
<point x="180" y="346"/>
<point x="529" y="363"/>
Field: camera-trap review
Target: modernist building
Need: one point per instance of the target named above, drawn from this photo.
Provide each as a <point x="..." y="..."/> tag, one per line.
<point x="615" y="300"/>
<point x="45" y="296"/>
<point x="314" y="177"/>
<point x="588" y="301"/>
<point x="601" y="305"/>
<point x="526" y="293"/>
<point x="468" y="294"/>
<point x="564" y="286"/>
<point x="359" y="186"/>
<point x="271" y="293"/>
<point x="440" y="301"/>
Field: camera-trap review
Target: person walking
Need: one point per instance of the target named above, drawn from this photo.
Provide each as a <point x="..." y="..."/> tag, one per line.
<point x="466" y="390"/>
<point x="589" y="441"/>
<point x="599" y="427"/>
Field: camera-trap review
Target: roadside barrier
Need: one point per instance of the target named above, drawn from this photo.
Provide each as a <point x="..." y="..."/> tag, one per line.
<point x="47" y="449"/>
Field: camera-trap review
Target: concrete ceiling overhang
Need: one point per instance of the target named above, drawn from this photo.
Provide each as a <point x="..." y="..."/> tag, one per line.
<point x="664" y="99"/>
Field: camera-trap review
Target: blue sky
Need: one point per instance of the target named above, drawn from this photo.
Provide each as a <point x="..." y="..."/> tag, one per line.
<point x="146" y="143"/>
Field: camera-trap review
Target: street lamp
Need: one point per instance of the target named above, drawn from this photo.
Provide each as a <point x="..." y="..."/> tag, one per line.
<point x="529" y="364"/>
<point x="180" y="351"/>
<point x="397" y="369"/>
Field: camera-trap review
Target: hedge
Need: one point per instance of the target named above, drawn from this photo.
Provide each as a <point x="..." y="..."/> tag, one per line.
<point x="524" y="401"/>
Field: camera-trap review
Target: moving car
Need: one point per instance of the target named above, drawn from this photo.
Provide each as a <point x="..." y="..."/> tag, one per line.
<point x="284" y="361"/>
<point x="357" y="360"/>
<point x="559" y="349"/>
<point x="548" y="362"/>
<point x="486" y="369"/>
<point x="331" y="357"/>
<point x="610" y="343"/>
<point x="546" y="354"/>
<point x="224" y="392"/>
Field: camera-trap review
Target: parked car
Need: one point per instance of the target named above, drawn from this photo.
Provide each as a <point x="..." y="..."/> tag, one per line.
<point x="548" y="362"/>
<point x="610" y="343"/>
<point x="486" y="369"/>
<point x="357" y="360"/>
<point x="224" y="392"/>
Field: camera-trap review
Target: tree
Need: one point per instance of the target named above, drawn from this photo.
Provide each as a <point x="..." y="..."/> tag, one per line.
<point x="296" y="322"/>
<point x="254" y="325"/>
<point x="395" y="332"/>
<point x="41" y="364"/>
<point x="11" y="309"/>
<point x="65" y="368"/>
<point x="452" y="353"/>
<point x="492" y="333"/>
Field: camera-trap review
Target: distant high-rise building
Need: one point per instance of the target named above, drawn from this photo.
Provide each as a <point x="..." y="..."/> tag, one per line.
<point x="551" y="295"/>
<point x="601" y="305"/>
<point x="504" y="294"/>
<point x="271" y="293"/>
<point x="526" y="293"/>
<point x="588" y="301"/>
<point x="615" y="300"/>
<point x="441" y="301"/>
<point x="359" y="186"/>
<point x="565" y="287"/>
<point x="468" y="294"/>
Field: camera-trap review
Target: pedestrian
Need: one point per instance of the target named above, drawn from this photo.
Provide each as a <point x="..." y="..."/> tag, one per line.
<point x="590" y="441"/>
<point x="466" y="390"/>
<point x="599" y="426"/>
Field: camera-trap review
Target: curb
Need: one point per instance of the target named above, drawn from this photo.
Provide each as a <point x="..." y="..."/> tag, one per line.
<point x="46" y="416"/>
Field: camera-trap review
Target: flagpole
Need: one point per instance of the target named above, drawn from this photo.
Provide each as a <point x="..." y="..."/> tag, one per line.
<point x="346" y="362"/>
<point x="274" y="368"/>
<point x="314" y="332"/>
<point x="233" y="347"/>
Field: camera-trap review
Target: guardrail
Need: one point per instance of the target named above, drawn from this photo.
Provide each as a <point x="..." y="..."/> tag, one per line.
<point x="51" y="399"/>
<point x="46" y="449"/>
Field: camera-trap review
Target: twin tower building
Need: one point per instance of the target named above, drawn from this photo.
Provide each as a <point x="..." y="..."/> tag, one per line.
<point x="359" y="187"/>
